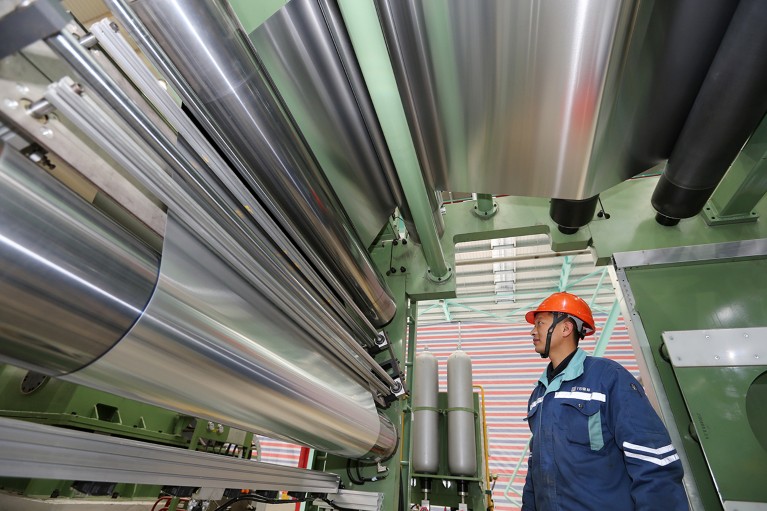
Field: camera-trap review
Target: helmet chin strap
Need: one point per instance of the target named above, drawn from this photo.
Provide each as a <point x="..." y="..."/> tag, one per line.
<point x="558" y="318"/>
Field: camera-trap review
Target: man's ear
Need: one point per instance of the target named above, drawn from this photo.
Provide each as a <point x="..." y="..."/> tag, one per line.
<point x="567" y="328"/>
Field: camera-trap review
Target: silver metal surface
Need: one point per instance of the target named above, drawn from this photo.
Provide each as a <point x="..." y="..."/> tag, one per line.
<point x="122" y="53"/>
<point x="302" y="56"/>
<point x="651" y="379"/>
<point x="45" y="452"/>
<point x="525" y="98"/>
<point x="693" y="253"/>
<point x="225" y="84"/>
<point x="461" y="431"/>
<point x="211" y="346"/>
<point x="425" y="427"/>
<point x="72" y="281"/>
<point x="351" y="499"/>
<point x="717" y="348"/>
<point x="197" y="205"/>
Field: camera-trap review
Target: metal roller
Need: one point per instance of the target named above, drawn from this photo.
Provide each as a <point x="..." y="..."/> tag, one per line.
<point x="224" y="84"/>
<point x="72" y="281"/>
<point x="211" y="346"/>
<point x="425" y="415"/>
<point x="74" y="288"/>
<point x="461" y="454"/>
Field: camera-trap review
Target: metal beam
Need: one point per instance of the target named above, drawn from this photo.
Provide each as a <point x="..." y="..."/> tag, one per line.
<point x="607" y="329"/>
<point x="40" y="451"/>
<point x="564" y="276"/>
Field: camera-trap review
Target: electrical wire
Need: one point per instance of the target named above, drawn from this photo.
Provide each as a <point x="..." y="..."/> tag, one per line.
<point x="254" y="497"/>
<point x="336" y="506"/>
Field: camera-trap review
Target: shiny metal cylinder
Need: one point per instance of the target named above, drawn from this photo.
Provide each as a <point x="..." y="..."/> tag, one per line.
<point x="229" y="86"/>
<point x="211" y="346"/>
<point x="72" y="281"/>
<point x="425" y="415"/>
<point x="461" y="451"/>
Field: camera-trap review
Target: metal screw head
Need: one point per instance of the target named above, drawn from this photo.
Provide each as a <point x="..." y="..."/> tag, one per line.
<point x="745" y="335"/>
<point x="46" y="132"/>
<point x="716" y="357"/>
<point x="220" y="428"/>
<point x="211" y="426"/>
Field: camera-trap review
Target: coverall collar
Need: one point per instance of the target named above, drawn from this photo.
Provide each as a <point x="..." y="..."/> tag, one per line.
<point x="573" y="370"/>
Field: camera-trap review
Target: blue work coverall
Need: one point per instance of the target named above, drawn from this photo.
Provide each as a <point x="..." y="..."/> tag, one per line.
<point x="598" y="444"/>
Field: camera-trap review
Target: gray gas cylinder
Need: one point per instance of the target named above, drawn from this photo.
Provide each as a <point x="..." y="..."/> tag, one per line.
<point x="462" y="456"/>
<point x="425" y="415"/>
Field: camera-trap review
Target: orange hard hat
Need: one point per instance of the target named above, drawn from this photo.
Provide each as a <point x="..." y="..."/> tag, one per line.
<point x="568" y="304"/>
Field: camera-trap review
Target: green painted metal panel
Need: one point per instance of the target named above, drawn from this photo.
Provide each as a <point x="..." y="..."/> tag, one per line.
<point x="251" y="14"/>
<point x="694" y="296"/>
<point x="716" y="398"/>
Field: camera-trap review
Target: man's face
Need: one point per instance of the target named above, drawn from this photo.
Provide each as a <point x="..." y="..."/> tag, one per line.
<point x="543" y="321"/>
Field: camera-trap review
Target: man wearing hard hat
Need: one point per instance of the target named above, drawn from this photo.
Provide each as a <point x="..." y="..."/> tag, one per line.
<point x="597" y="442"/>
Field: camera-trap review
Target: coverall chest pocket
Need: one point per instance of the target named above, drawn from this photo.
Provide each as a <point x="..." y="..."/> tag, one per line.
<point x="532" y="416"/>
<point x="582" y="422"/>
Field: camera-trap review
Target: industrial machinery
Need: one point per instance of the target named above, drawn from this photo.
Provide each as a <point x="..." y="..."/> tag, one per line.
<point x="215" y="218"/>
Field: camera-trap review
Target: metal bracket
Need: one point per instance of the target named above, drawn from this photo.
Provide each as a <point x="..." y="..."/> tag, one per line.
<point x="711" y="215"/>
<point x="29" y="23"/>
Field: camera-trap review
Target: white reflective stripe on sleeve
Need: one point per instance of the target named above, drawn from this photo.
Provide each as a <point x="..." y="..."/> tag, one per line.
<point x="536" y="403"/>
<point x="583" y="396"/>
<point x="659" y="450"/>
<point x="662" y="462"/>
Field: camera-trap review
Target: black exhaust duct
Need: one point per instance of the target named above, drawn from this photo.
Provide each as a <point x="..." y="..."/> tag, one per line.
<point x="729" y="106"/>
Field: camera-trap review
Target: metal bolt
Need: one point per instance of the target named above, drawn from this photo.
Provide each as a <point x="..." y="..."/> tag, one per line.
<point x="716" y="357"/>
<point x="756" y="356"/>
<point x="745" y="335"/>
<point x="211" y="426"/>
<point x="708" y="337"/>
<point x="114" y="26"/>
<point x="220" y="428"/>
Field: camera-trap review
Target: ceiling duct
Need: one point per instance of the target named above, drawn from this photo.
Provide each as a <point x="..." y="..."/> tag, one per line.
<point x="729" y="106"/>
<point x="529" y="98"/>
<point x="224" y="84"/>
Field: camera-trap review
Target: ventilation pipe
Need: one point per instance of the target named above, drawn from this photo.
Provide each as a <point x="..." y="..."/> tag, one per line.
<point x="729" y="106"/>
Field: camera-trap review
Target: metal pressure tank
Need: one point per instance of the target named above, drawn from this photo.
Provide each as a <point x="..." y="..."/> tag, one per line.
<point x="462" y="456"/>
<point x="425" y="415"/>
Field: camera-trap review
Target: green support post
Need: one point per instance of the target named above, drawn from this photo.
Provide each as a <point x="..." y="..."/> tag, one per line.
<point x="743" y="186"/>
<point x="486" y="206"/>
